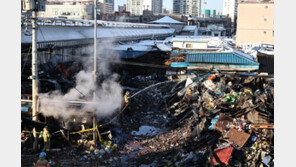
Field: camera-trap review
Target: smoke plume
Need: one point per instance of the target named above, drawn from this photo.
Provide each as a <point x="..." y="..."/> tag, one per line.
<point x="108" y="92"/>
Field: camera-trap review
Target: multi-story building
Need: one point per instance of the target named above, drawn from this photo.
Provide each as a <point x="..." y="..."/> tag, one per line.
<point x="187" y="7"/>
<point x="106" y="6"/>
<point x="156" y="6"/>
<point x="230" y="9"/>
<point x="122" y="8"/>
<point x="68" y="1"/>
<point x="70" y="11"/>
<point x="136" y="7"/>
<point x="206" y="23"/>
<point x="255" y="23"/>
<point x="176" y="6"/>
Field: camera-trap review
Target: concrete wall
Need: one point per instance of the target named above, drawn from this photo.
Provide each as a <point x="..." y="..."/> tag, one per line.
<point x="255" y="23"/>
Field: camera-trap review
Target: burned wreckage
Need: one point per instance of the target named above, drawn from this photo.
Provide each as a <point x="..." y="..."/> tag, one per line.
<point x="213" y="119"/>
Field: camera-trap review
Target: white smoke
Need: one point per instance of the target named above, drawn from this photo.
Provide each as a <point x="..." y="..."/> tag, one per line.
<point x="121" y="18"/>
<point x="108" y="93"/>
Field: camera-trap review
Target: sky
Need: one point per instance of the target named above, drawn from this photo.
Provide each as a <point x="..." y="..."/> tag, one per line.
<point x="210" y="4"/>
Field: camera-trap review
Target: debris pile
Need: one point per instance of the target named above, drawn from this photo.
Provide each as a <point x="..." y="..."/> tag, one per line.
<point x="213" y="119"/>
<point x="235" y="113"/>
<point x="180" y="58"/>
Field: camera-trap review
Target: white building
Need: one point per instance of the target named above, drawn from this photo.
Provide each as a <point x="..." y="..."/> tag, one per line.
<point x="136" y="7"/>
<point x="187" y="7"/>
<point x="196" y="43"/>
<point x="70" y="11"/>
<point x="230" y="9"/>
<point x="104" y="6"/>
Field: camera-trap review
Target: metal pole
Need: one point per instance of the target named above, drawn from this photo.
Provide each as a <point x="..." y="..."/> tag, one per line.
<point x="95" y="66"/>
<point x="34" y="73"/>
<point x="95" y="42"/>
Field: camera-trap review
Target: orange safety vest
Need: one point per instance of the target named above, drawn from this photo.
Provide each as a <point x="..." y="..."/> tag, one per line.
<point x="188" y="91"/>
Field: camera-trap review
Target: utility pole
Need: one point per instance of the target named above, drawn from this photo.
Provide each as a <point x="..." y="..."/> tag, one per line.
<point x="34" y="77"/>
<point x="33" y="6"/>
<point x="34" y="68"/>
<point x="95" y="67"/>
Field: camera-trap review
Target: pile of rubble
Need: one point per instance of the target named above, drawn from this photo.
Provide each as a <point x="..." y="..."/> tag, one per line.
<point x="210" y="120"/>
<point x="180" y="58"/>
<point x="233" y="114"/>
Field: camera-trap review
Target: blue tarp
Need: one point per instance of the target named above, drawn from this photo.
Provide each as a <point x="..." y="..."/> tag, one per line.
<point x="25" y="108"/>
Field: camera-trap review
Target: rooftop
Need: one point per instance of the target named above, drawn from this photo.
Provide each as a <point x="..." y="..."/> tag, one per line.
<point x="256" y="1"/>
<point x="189" y="28"/>
<point x="194" y="38"/>
<point x="167" y="20"/>
<point x="220" y="57"/>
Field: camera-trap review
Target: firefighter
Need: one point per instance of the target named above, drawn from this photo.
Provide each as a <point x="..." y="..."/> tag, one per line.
<point x="126" y="98"/>
<point x="42" y="162"/>
<point x="46" y="138"/>
<point x="187" y="94"/>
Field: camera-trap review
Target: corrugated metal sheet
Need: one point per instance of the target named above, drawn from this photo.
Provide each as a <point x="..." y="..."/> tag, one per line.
<point x="61" y="33"/>
<point x="219" y="58"/>
<point x="175" y="53"/>
<point x="209" y="66"/>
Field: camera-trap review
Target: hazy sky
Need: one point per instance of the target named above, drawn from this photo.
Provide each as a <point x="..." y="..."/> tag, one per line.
<point x="211" y="4"/>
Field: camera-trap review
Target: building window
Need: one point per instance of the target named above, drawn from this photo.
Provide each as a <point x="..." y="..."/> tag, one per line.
<point x="188" y="45"/>
<point x="266" y="7"/>
<point x="265" y="19"/>
<point x="264" y="32"/>
<point x="273" y="33"/>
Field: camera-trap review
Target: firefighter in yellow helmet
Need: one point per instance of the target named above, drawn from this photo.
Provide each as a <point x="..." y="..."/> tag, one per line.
<point x="126" y="98"/>
<point x="46" y="138"/>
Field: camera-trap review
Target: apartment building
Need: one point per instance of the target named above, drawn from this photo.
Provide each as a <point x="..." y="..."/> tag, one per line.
<point x="255" y="23"/>
<point x="230" y="9"/>
<point x="187" y="7"/>
<point x="136" y="7"/>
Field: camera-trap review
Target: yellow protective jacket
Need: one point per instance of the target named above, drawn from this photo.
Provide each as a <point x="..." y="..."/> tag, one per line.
<point x="46" y="136"/>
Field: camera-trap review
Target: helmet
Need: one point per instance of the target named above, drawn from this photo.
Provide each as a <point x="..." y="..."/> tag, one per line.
<point x="42" y="155"/>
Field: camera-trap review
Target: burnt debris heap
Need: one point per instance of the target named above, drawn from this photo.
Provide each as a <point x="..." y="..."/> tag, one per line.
<point x="211" y="119"/>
